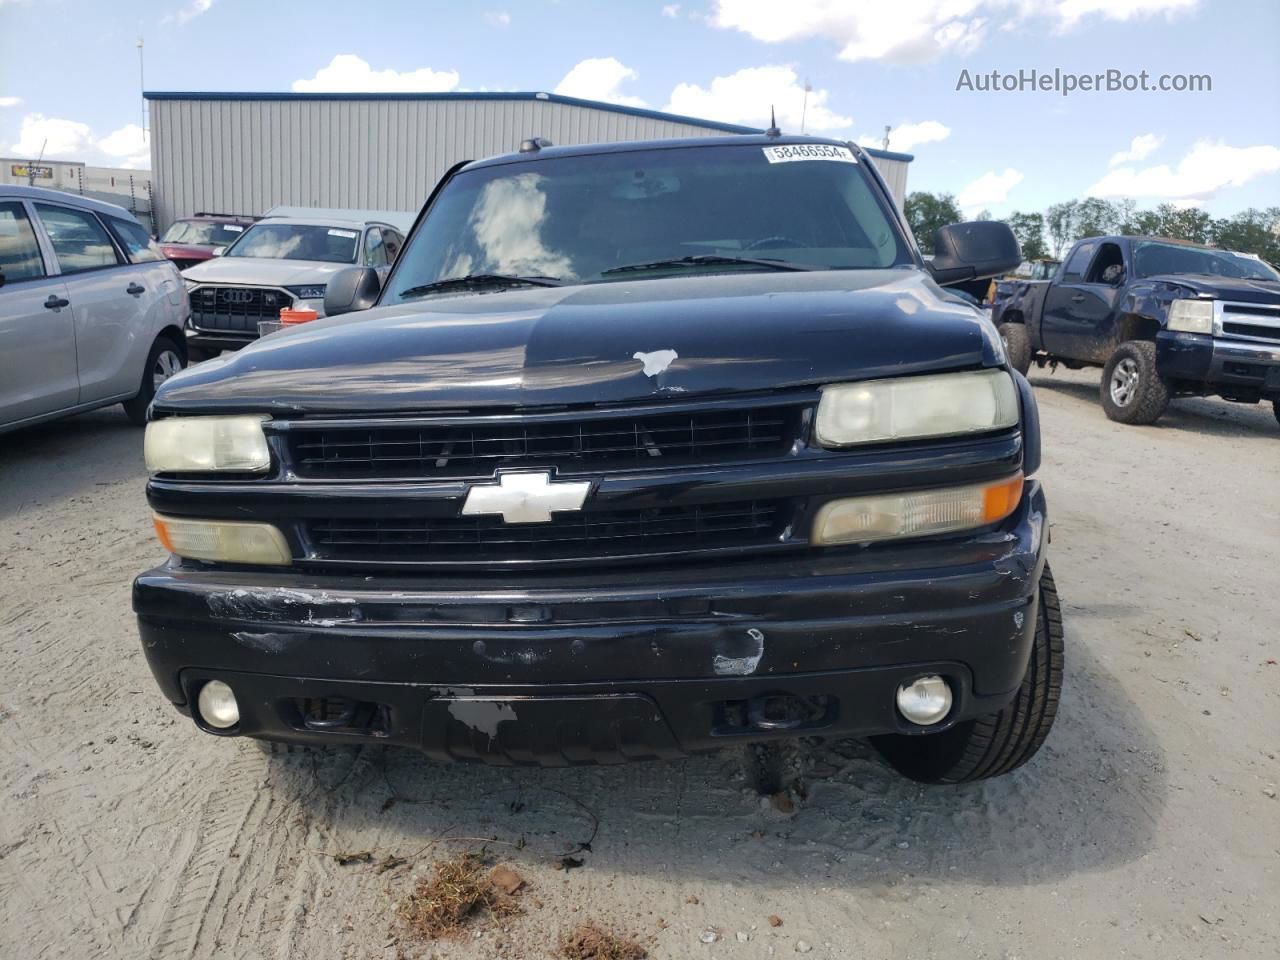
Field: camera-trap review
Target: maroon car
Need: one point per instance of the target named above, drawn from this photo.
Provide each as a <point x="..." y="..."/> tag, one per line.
<point x="192" y="240"/>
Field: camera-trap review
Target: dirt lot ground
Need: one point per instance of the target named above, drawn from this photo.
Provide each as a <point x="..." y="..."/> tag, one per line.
<point x="1148" y="827"/>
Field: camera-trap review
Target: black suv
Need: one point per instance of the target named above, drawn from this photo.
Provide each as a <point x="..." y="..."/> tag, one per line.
<point x="642" y="449"/>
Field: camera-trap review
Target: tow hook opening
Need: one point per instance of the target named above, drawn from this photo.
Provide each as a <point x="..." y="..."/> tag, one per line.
<point x="775" y="712"/>
<point x="338" y="715"/>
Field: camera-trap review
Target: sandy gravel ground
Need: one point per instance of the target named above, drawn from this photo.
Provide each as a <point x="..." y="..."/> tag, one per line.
<point x="1148" y="827"/>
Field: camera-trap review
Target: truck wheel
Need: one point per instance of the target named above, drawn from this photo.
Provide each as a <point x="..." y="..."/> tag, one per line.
<point x="994" y="745"/>
<point x="1017" y="345"/>
<point x="163" y="362"/>
<point x="1275" y="408"/>
<point x="1132" y="391"/>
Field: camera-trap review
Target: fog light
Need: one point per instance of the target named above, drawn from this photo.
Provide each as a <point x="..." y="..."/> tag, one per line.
<point x="926" y="701"/>
<point x="217" y="705"/>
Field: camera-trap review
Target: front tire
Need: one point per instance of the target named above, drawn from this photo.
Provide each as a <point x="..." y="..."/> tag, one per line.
<point x="164" y="360"/>
<point x="1275" y="408"/>
<point x="993" y="745"/>
<point x="1132" y="390"/>
<point x="1017" y="345"/>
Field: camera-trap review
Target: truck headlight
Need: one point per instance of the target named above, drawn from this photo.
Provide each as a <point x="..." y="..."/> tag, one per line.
<point x="1191" y="316"/>
<point x="223" y="541"/>
<point x="909" y="408"/>
<point x="916" y="513"/>
<point x="204" y="444"/>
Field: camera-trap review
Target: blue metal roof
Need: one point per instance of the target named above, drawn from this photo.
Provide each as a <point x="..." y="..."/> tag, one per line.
<point x="479" y="95"/>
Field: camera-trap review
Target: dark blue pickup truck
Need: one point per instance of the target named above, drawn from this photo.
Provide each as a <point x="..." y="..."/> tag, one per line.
<point x="1162" y="318"/>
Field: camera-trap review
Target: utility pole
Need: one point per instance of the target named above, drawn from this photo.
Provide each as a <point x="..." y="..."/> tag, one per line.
<point x="31" y="168"/>
<point x="887" y="128"/>
<point x="804" y="109"/>
<point x="142" y="87"/>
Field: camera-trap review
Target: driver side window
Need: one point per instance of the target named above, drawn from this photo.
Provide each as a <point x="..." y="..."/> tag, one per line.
<point x="375" y="252"/>
<point x="1108" y="266"/>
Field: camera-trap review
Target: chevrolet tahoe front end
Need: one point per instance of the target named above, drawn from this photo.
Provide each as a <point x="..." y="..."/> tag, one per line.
<point x="599" y="516"/>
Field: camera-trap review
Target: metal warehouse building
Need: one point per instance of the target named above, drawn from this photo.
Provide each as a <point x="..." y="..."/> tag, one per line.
<point x="248" y="152"/>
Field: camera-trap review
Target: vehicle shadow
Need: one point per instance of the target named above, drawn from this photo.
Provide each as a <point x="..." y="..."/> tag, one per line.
<point x="1090" y="801"/>
<point x="1202" y="414"/>
<point x="63" y="458"/>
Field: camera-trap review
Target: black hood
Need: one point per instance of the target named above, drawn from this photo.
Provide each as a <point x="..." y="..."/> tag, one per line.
<point x="1225" y="288"/>
<point x="551" y="346"/>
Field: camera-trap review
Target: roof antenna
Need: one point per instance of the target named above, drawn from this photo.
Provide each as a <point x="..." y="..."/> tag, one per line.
<point x="773" y="130"/>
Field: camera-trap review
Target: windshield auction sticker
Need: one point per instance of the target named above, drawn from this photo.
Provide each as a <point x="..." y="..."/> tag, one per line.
<point x="348" y="234"/>
<point x="787" y="152"/>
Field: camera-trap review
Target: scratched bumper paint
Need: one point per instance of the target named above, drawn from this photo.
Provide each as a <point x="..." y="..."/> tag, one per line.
<point x="461" y="665"/>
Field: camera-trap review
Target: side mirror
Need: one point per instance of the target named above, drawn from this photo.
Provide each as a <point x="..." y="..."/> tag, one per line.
<point x="972" y="251"/>
<point x="219" y="251"/>
<point x="352" y="289"/>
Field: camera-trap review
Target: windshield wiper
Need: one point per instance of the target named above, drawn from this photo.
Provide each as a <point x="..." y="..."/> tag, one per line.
<point x="479" y="280"/>
<point x="708" y="259"/>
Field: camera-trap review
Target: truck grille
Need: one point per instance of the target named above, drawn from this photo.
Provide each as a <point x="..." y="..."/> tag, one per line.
<point x="236" y="309"/>
<point x="609" y="533"/>
<point x="571" y="443"/>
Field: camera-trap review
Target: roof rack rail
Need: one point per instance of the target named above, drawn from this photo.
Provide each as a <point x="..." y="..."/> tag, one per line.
<point x="242" y="216"/>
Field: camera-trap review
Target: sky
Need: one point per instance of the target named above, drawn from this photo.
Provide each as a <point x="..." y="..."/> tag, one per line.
<point x="917" y="66"/>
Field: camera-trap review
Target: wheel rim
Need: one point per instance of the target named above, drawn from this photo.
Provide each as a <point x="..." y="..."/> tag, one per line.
<point x="1124" y="382"/>
<point x="167" y="364"/>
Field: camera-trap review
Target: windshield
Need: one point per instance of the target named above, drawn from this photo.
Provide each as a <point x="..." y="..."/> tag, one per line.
<point x="202" y="232"/>
<point x="297" y="241"/>
<point x="1153" y="259"/>
<point x="575" y="219"/>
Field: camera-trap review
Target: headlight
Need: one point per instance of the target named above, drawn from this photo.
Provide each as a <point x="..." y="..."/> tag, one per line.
<point x="1191" y="316"/>
<point x="908" y="408"/>
<point x="917" y="513"/>
<point x="202" y="444"/>
<point x="223" y="541"/>
<point x="311" y="292"/>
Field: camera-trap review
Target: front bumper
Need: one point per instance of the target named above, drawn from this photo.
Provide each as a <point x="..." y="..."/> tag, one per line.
<point x="574" y="668"/>
<point x="1237" y="369"/>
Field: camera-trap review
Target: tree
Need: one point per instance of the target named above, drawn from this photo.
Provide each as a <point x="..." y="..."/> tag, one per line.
<point x="1250" y="231"/>
<point x="926" y="212"/>
<point x="1095" y="217"/>
<point x="1060" y="221"/>
<point x="1176" y="223"/>
<point x="1029" y="229"/>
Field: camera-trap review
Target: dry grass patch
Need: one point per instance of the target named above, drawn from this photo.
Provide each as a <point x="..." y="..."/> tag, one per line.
<point x="458" y="891"/>
<point x="589" y="941"/>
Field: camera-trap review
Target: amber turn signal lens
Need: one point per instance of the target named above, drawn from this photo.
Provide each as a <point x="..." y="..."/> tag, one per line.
<point x="1001" y="499"/>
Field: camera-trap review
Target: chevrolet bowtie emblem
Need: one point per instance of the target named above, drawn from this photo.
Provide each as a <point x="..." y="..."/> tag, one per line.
<point x="525" y="497"/>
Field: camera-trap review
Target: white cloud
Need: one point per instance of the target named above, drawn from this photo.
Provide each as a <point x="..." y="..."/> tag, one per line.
<point x="1206" y="169"/>
<point x="1140" y="148"/>
<point x="747" y="96"/>
<point x="915" y="31"/>
<point x="348" y="73"/>
<point x="193" y="10"/>
<point x="671" y="10"/>
<point x="498" y="18"/>
<point x="907" y="136"/>
<point x="990" y="188"/>
<point x="127" y="147"/>
<point x="57" y="139"/>
<point x="1069" y="12"/>
<point x="599" y="78"/>
<point x="10" y="101"/>
<point x="66" y="139"/>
